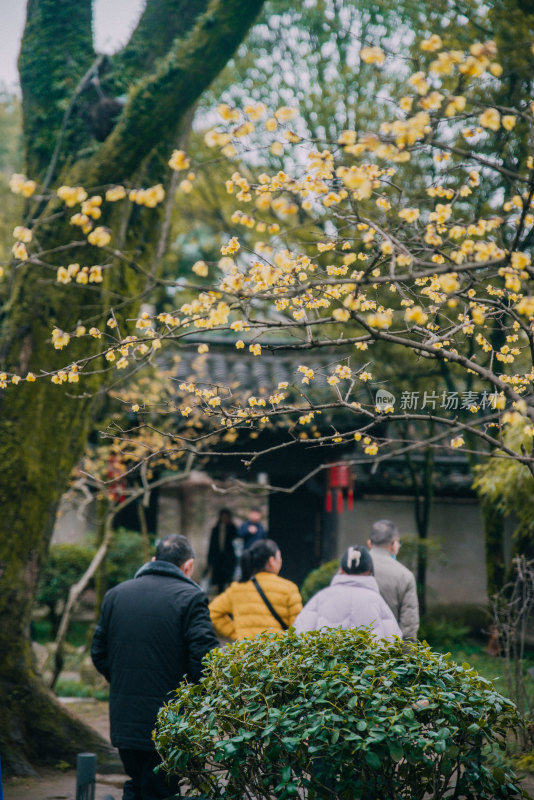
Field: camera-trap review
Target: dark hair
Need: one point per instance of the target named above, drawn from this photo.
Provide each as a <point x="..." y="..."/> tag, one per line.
<point x="226" y="511"/>
<point x="357" y="559"/>
<point x="256" y="557"/>
<point x="174" y="548"/>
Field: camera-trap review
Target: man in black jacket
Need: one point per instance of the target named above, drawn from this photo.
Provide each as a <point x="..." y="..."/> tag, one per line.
<point x="152" y="633"/>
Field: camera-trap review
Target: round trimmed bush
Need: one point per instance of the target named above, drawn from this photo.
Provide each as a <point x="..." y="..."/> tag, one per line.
<point x="336" y="714"/>
<point x="318" y="579"/>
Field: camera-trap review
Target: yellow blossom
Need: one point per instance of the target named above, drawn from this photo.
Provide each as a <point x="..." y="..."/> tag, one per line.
<point x="418" y="81"/>
<point x="526" y="306"/>
<point x="455" y="104"/>
<point x="519" y="260"/>
<point x="60" y="339"/>
<point x="179" y="160"/>
<point x="371" y="450"/>
<point x="383" y="203"/>
<point x="215" y="138"/>
<point x="115" y="193"/>
<point x="449" y="282"/>
<point x="372" y="55"/>
<point x="232" y="247"/>
<point x="508" y="122"/>
<point x="30" y="377"/>
<point x="284" y="113"/>
<point x="490" y="118"/>
<point x="19" y="251"/>
<point x="22" y="234"/>
<point x="100" y="237"/>
<point x="457" y="441"/>
<point x="433" y="42"/>
<point x="200" y="268"/>
<point x="415" y="314"/>
<point x="255" y="112"/>
<point x="227" y="113"/>
<point x="432" y="101"/>
<point x="72" y="195"/>
<point x="19" y="184"/>
<point x="409" y="214"/>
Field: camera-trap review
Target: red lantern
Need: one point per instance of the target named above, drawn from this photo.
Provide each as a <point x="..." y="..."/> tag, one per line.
<point x="339" y="477"/>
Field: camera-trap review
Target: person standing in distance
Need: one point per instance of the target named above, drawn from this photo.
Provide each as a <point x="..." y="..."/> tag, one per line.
<point x="153" y="632"/>
<point x="252" y="530"/>
<point x="221" y="554"/>
<point x="395" y="581"/>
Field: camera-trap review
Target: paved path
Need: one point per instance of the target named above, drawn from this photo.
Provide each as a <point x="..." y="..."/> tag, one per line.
<point x="55" y="784"/>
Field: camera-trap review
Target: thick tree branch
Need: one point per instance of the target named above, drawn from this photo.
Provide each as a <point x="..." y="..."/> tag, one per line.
<point x="162" y="99"/>
<point x="50" y="73"/>
<point x="161" y="23"/>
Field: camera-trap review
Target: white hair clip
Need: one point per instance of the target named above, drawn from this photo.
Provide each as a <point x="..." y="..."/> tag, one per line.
<point x="353" y="557"/>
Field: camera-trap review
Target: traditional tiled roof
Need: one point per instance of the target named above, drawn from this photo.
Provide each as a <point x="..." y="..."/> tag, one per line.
<point x="226" y="366"/>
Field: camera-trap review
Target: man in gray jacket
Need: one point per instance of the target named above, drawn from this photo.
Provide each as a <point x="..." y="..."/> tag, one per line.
<point x="395" y="581"/>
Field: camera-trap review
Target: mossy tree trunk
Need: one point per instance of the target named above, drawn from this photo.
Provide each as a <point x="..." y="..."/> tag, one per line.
<point x="177" y="49"/>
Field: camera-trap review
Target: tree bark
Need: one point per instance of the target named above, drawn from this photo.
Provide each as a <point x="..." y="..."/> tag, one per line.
<point x="44" y="427"/>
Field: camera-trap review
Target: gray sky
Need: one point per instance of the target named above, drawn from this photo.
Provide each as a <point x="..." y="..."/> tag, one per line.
<point x="113" y="21"/>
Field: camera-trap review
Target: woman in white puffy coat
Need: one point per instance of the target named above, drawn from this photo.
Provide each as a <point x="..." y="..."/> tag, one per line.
<point x="351" y="601"/>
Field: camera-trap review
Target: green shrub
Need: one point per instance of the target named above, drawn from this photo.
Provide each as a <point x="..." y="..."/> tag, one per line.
<point x="68" y="688"/>
<point x="334" y="714"/>
<point x="65" y="565"/>
<point x="125" y="556"/>
<point x="442" y="633"/>
<point x="318" y="579"/>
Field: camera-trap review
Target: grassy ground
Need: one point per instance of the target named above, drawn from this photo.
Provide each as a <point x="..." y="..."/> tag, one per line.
<point x="490" y="667"/>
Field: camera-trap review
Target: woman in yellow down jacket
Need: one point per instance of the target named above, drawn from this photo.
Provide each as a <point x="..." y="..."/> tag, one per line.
<point x="241" y="612"/>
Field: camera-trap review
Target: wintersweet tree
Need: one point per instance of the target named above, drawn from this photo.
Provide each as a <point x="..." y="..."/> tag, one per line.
<point x="94" y="120"/>
<point x="436" y="275"/>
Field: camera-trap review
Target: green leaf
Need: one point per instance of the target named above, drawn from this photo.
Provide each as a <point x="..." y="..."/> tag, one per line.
<point x="395" y="750"/>
<point x="372" y="759"/>
<point x="499" y="775"/>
